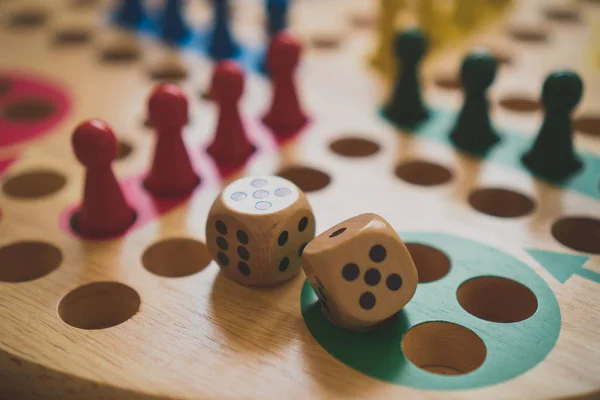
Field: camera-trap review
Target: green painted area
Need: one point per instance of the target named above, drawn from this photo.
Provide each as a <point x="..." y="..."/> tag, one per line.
<point x="512" y="348"/>
<point x="509" y="150"/>
<point x="562" y="266"/>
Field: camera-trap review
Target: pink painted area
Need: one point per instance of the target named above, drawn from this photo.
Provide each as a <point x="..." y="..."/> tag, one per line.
<point x="4" y="164"/>
<point x="26" y="87"/>
<point x="147" y="207"/>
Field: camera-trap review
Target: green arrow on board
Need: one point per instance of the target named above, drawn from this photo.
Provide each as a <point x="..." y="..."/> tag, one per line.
<point x="562" y="266"/>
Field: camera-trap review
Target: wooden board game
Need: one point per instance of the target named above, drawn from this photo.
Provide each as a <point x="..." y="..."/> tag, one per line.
<point x="508" y="304"/>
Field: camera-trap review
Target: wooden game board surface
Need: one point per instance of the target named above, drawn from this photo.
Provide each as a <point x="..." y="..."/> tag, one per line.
<point x="201" y="335"/>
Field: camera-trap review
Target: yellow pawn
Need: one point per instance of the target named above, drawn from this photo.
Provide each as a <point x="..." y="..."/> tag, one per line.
<point x="466" y="14"/>
<point x="384" y="59"/>
<point x="430" y="22"/>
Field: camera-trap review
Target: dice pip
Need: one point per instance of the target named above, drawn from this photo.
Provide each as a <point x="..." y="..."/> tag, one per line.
<point x="257" y="229"/>
<point x="361" y="271"/>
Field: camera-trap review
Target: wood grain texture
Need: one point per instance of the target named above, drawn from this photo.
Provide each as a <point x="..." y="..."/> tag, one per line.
<point x="205" y="336"/>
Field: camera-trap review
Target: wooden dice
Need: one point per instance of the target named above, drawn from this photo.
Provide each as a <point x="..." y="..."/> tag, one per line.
<point x="361" y="271"/>
<point x="257" y="229"/>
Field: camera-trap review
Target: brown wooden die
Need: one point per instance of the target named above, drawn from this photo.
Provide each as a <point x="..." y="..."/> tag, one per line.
<point x="361" y="271"/>
<point x="257" y="229"/>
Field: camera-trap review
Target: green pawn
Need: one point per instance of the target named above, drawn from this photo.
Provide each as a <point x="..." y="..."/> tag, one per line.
<point x="552" y="155"/>
<point x="473" y="130"/>
<point x="406" y="107"/>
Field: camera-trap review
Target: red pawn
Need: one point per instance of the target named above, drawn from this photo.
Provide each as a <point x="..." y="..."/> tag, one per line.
<point x="171" y="173"/>
<point x="230" y="147"/>
<point x="103" y="211"/>
<point x="286" y="116"/>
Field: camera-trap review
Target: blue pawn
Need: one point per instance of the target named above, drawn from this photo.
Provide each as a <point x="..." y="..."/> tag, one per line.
<point x="172" y="26"/>
<point x="130" y="13"/>
<point x="222" y="45"/>
<point x="277" y="11"/>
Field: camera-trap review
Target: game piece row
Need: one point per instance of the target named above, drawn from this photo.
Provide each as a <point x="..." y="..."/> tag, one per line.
<point x="174" y="28"/>
<point x="261" y="231"/>
<point x="172" y="173"/>
<point x="552" y="155"/>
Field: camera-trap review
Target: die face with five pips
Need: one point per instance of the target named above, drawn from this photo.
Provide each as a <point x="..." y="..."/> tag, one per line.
<point x="257" y="229"/>
<point x="361" y="271"/>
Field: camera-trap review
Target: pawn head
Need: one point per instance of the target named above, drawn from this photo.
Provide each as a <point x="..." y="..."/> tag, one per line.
<point x="227" y="82"/>
<point x="411" y="45"/>
<point x="562" y="91"/>
<point x="94" y="143"/>
<point x="284" y="52"/>
<point x="168" y="107"/>
<point x="478" y="70"/>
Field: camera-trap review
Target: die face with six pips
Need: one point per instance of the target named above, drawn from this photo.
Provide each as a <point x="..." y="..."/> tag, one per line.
<point x="257" y="229"/>
<point x="361" y="271"/>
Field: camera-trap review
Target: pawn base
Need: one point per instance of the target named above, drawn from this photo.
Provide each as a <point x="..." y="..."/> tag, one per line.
<point x="550" y="168"/>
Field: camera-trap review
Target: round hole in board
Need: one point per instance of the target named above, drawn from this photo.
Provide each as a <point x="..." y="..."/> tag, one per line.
<point x="423" y="173"/>
<point x="306" y="178"/>
<point x="432" y="264"/>
<point x="34" y="184"/>
<point x="354" y="147"/>
<point x="579" y="233"/>
<point x="444" y="348"/>
<point x="528" y="34"/>
<point x="72" y="36"/>
<point x="82" y="4"/>
<point x="338" y="232"/>
<point x="323" y="41"/>
<point x="587" y="125"/>
<point x="448" y="81"/>
<point x="363" y="20"/>
<point x="27" y="110"/>
<point x="28" y="260"/>
<point x="169" y="73"/>
<point x="497" y="299"/>
<point x="124" y="150"/>
<point x="562" y="14"/>
<point x="99" y="305"/>
<point x="520" y="103"/>
<point x="120" y="53"/>
<point x="503" y="203"/>
<point x="28" y="18"/>
<point x="176" y="257"/>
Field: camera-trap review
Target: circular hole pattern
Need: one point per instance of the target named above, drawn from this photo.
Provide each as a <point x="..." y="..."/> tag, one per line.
<point x="25" y="261"/>
<point x="578" y="233"/>
<point x="124" y="150"/>
<point x="307" y="179"/>
<point x="432" y="264"/>
<point x="28" y="18"/>
<point x="354" y="147"/>
<point x="448" y="82"/>
<point x="528" y="34"/>
<point x="497" y="299"/>
<point x="325" y="42"/>
<point x="99" y="305"/>
<point x="72" y="36"/>
<point x="562" y="14"/>
<point x="118" y="53"/>
<point x="520" y="104"/>
<point x="28" y="110"/>
<point x="84" y="3"/>
<point x="587" y="124"/>
<point x="350" y="272"/>
<point x="34" y="184"/>
<point x="176" y="257"/>
<point x="444" y="348"/>
<point x="169" y="73"/>
<point x="242" y="236"/>
<point x="502" y="203"/>
<point x="423" y="173"/>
